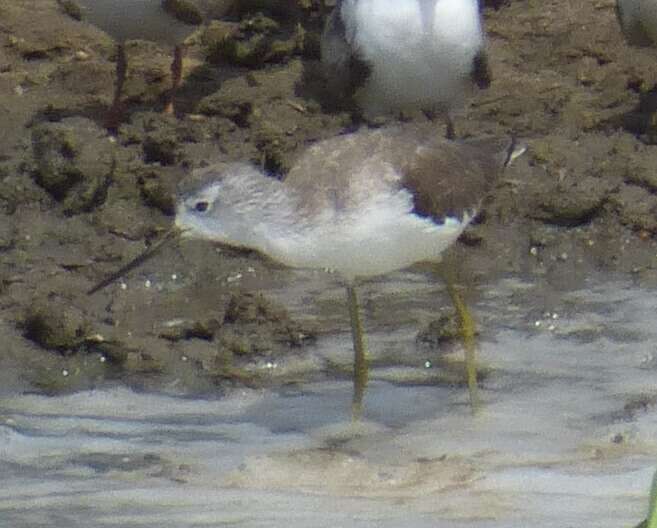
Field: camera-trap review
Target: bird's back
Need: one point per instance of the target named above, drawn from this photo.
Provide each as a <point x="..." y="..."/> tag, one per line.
<point x="443" y="177"/>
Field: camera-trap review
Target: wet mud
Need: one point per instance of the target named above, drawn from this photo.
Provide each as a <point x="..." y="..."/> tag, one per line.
<point x="76" y="202"/>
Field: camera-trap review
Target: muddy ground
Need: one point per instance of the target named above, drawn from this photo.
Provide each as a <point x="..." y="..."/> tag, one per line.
<point x="77" y="202"/>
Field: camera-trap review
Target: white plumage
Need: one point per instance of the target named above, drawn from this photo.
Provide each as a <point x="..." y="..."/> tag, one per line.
<point x="419" y="54"/>
<point x="250" y="209"/>
<point x="355" y="203"/>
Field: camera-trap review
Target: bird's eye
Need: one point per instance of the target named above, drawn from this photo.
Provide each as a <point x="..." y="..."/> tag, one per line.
<point x="201" y="207"/>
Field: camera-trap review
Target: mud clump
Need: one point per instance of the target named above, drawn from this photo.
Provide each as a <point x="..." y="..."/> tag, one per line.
<point x="184" y="10"/>
<point x="572" y="204"/>
<point x="56" y="325"/>
<point x="158" y="192"/>
<point x="445" y="329"/>
<point x="73" y="162"/>
<point x="250" y="326"/>
<point x="255" y="41"/>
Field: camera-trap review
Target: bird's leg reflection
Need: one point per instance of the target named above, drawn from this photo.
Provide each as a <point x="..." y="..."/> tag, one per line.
<point x="360" y="352"/>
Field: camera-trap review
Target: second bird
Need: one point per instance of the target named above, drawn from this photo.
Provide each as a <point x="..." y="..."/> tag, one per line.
<point x="394" y="56"/>
<point x="163" y="21"/>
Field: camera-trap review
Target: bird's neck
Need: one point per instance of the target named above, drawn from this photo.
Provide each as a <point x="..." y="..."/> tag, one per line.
<point x="268" y="216"/>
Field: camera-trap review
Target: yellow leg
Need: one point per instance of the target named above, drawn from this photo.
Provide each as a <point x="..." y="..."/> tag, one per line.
<point x="360" y="353"/>
<point x="467" y="324"/>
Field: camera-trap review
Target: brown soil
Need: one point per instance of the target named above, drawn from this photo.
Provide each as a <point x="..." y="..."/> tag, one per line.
<point x="76" y="202"/>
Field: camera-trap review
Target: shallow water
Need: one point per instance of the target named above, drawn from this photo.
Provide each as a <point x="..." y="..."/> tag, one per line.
<point x="567" y="435"/>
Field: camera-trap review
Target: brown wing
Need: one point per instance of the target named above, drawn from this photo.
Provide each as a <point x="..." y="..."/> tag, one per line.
<point x="341" y="172"/>
<point x="452" y="178"/>
<point x="444" y="177"/>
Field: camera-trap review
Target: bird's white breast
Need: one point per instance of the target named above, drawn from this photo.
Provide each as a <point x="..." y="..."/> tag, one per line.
<point x="380" y="236"/>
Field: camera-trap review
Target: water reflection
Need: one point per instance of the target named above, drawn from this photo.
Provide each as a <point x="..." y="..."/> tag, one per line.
<point x="567" y="436"/>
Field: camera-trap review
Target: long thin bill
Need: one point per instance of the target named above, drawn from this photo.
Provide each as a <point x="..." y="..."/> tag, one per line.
<point x="170" y="235"/>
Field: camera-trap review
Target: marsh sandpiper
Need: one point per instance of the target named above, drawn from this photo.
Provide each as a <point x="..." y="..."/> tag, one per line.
<point x="361" y="204"/>
<point x="166" y="22"/>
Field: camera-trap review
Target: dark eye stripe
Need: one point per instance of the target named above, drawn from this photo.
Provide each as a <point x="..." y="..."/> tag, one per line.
<point x="201" y="207"/>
